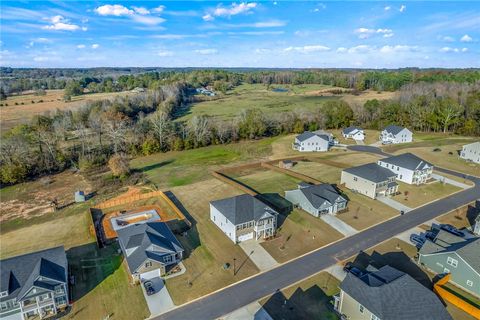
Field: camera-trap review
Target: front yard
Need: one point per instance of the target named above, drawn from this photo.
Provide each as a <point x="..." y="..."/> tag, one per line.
<point x="414" y="196"/>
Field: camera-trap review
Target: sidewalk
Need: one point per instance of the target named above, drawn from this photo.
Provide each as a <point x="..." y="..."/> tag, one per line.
<point x="450" y="181"/>
<point x="262" y="259"/>
<point x="338" y="225"/>
<point x="253" y="311"/>
<point x="394" y="204"/>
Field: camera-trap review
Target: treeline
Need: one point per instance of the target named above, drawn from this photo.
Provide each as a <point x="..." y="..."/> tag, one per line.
<point x="110" y="80"/>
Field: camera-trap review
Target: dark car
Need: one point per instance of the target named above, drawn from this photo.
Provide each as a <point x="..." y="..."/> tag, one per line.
<point x="149" y="287"/>
<point x="417" y="240"/>
<point x="452" y="230"/>
<point x="430" y="235"/>
<point x="353" y="270"/>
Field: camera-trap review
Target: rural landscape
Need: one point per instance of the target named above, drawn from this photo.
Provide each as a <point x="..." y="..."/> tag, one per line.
<point x="187" y="191"/>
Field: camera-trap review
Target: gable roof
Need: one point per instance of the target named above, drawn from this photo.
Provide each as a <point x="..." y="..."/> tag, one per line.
<point x="475" y="145"/>
<point x="393" y="129"/>
<point x="407" y="161"/>
<point x="307" y="135"/>
<point x="467" y="249"/>
<point x="143" y="241"/>
<point x="318" y="194"/>
<point x="351" y="129"/>
<point x="19" y="274"/>
<point x="394" y="295"/>
<point x="243" y="208"/>
<point x="372" y="172"/>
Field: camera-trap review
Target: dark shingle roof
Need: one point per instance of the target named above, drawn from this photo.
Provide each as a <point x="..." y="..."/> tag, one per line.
<point x="144" y="241"/>
<point x="19" y="274"/>
<point x="393" y="129"/>
<point x="372" y="172"/>
<point x="351" y="129"/>
<point x="318" y="194"/>
<point x="307" y="135"/>
<point x="242" y="208"/>
<point x="468" y="249"/>
<point x="394" y="295"/>
<point x="408" y="161"/>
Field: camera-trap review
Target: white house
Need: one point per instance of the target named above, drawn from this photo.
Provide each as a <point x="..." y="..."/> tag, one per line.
<point x="244" y="217"/>
<point x="408" y="168"/>
<point x="354" y="133"/>
<point x="471" y="152"/>
<point x="395" y="134"/>
<point x="312" y="141"/>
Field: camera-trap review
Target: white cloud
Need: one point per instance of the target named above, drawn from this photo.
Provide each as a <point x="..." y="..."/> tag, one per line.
<point x="448" y="39"/>
<point x="158" y="9"/>
<point x="84" y="28"/>
<point x="165" y="53"/>
<point x="466" y="38"/>
<point x="269" y="24"/>
<point x="262" y="50"/>
<point x="453" y="50"/>
<point x="114" y="10"/>
<point x="364" y="33"/>
<point x="342" y="50"/>
<point x="232" y="10"/>
<point x="206" y="51"/>
<point x="387" y="8"/>
<point x="95" y="46"/>
<point x="60" y="23"/>
<point x="148" y="20"/>
<point x="319" y="7"/>
<point x="402" y="8"/>
<point x="398" y="48"/>
<point x="141" y="10"/>
<point x="308" y="49"/>
<point x="363" y="48"/>
<point x="80" y="46"/>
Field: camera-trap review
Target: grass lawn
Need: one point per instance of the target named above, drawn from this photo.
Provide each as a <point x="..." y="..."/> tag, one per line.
<point x="371" y="136"/>
<point x="422" y="194"/>
<point x="364" y="212"/>
<point x="309" y="299"/>
<point x="178" y="168"/>
<point x="258" y="96"/>
<point x="269" y="181"/>
<point x="103" y="287"/>
<point x="298" y="234"/>
<point x="207" y="248"/>
<point x="69" y="231"/>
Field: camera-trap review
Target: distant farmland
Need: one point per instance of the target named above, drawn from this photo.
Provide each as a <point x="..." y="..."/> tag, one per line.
<point x="16" y="113"/>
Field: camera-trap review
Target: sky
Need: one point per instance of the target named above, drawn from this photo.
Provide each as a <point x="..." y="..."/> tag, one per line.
<point x="270" y="34"/>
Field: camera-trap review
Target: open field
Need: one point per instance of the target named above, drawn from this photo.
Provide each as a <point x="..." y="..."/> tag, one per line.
<point x="16" y="113"/>
<point x="309" y="299"/>
<point x="360" y="99"/>
<point x="103" y="289"/>
<point x="207" y="248"/>
<point x="298" y="234"/>
<point x="69" y="231"/>
<point x="422" y="194"/>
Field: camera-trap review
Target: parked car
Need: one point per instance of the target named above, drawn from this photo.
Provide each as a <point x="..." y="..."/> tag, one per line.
<point x="417" y="240"/>
<point x="452" y="230"/>
<point x="149" y="287"/>
<point x="353" y="270"/>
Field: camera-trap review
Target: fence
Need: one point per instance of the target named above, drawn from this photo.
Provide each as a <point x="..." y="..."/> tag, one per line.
<point x="291" y="173"/>
<point x="233" y="183"/>
<point x="453" y="299"/>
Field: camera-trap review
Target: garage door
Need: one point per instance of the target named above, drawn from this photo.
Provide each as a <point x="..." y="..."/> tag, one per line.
<point x="150" y="274"/>
<point x="245" y="237"/>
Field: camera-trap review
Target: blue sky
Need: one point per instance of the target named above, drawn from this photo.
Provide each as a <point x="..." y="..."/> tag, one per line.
<point x="376" y="34"/>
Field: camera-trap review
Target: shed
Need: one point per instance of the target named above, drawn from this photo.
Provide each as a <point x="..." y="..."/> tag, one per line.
<point x="79" y="196"/>
<point x="286" y="164"/>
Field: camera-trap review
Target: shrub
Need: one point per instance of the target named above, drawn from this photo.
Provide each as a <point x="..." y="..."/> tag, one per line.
<point x="119" y="165"/>
<point x="437" y="150"/>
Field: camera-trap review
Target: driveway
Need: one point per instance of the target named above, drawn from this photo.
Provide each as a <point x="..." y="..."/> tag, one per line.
<point x="262" y="259"/>
<point x="405" y="236"/>
<point x="160" y="301"/>
<point x="253" y="311"/>
<point x="450" y="181"/>
<point x="338" y="225"/>
<point x="337" y="271"/>
<point x="251" y="289"/>
<point x="394" y="204"/>
<point x="360" y="142"/>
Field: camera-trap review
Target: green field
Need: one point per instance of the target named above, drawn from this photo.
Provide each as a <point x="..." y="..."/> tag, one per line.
<point x="248" y="96"/>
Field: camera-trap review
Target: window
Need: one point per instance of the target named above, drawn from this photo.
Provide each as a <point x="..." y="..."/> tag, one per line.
<point x="167" y="259"/>
<point x="374" y="317"/>
<point x="452" y="262"/>
<point x="214" y="218"/>
<point x="470" y="283"/>
<point x="59" y="289"/>
<point x="3" y="306"/>
<point x="148" y="264"/>
<point x="355" y="179"/>
<point x="3" y="293"/>
<point x="361" y="308"/>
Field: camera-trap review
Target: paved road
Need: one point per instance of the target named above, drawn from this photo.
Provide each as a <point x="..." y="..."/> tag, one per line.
<point x="263" y="284"/>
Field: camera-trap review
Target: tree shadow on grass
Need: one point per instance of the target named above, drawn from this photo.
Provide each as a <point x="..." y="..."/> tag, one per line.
<point x="155" y="165"/>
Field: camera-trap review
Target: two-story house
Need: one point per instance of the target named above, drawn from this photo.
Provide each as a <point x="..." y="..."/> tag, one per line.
<point x="244" y="217"/>
<point x="151" y="249"/>
<point x="408" y="168"/>
<point x="395" y="134"/>
<point x="370" y="179"/>
<point x="34" y="285"/>
<point x="448" y="253"/>
<point x="471" y="152"/>
<point x="387" y="294"/>
<point x="312" y="141"/>
<point x="354" y="133"/>
<point x="317" y="199"/>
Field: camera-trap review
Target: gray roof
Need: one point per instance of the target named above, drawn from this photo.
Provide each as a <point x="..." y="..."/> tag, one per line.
<point x="318" y="194"/>
<point x="394" y="295"/>
<point x="372" y="172"/>
<point x="408" y="161"/>
<point x="243" y="208"/>
<point x="393" y="129"/>
<point x="468" y="249"/>
<point x="19" y="274"/>
<point x="307" y="135"/>
<point x="351" y="129"/>
<point x="152" y="240"/>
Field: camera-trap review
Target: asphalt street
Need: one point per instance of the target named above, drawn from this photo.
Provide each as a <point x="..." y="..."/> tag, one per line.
<point x="252" y="289"/>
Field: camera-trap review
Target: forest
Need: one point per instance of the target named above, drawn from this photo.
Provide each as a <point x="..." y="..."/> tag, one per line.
<point x="125" y="127"/>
